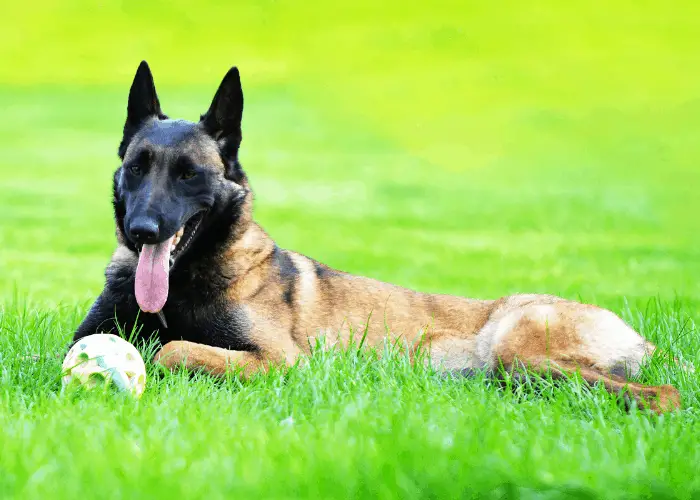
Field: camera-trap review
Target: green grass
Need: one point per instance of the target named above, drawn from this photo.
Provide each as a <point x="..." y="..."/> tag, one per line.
<point x="479" y="149"/>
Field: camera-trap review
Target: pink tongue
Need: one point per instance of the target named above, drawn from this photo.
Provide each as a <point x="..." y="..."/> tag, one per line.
<point x="152" y="276"/>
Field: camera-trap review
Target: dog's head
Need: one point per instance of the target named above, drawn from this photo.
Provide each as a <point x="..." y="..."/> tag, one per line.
<point x="176" y="179"/>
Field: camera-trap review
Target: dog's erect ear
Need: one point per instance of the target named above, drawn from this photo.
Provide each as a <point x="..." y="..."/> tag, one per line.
<point x="143" y="104"/>
<point x="223" y="120"/>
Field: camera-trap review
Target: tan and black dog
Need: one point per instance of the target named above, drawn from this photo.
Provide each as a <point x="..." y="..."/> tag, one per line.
<point x="195" y="270"/>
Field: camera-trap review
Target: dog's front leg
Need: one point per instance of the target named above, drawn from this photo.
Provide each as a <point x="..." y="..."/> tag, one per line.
<point x="102" y="316"/>
<point x="113" y="311"/>
<point x="214" y="360"/>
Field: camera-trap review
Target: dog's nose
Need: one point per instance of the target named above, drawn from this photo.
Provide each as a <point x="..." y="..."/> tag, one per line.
<point x="143" y="230"/>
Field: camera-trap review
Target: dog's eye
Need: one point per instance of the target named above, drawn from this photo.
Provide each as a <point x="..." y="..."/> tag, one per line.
<point x="134" y="169"/>
<point x="188" y="174"/>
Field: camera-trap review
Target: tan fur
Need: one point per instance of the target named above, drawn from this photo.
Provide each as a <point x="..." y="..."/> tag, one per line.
<point x="539" y="331"/>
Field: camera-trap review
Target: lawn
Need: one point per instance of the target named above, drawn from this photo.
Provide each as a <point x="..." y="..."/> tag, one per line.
<point x="472" y="148"/>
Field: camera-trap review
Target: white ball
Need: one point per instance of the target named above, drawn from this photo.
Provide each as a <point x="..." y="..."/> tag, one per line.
<point x="103" y="358"/>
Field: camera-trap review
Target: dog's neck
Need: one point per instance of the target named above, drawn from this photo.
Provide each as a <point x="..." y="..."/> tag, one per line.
<point x="248" y="244"/>
<point x="249" y="250"/>
<point x="243" y="259"/>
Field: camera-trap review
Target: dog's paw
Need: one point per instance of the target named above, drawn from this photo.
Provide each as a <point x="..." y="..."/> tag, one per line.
<point x="173" y="354"/>
<point x="666" y="399"/>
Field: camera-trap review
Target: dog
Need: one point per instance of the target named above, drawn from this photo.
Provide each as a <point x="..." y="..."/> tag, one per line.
<point x="193" y="269"/>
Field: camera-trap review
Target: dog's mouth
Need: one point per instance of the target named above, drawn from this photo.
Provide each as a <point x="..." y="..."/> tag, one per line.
<point x="151" y="285"/>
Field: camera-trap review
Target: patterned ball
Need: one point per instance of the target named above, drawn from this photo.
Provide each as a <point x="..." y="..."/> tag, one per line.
<point x="103" y="359"/>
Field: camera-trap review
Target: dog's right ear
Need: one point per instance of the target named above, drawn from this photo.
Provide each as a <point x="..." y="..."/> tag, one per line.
<point x="223" y="120"/>
<point x="143" y="105"/>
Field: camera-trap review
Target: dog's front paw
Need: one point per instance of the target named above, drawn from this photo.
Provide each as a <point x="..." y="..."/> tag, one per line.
<point x="173" y="354"/>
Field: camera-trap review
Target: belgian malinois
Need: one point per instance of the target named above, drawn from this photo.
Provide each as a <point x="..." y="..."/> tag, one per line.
<point x="193" y="268"/>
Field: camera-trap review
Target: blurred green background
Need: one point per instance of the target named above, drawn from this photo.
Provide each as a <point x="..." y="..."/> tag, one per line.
<point x="476" y="148"/>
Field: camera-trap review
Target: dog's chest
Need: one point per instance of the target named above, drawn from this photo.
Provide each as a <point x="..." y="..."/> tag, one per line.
<point x="215" y="322"/>
<point x="197" y="310"/>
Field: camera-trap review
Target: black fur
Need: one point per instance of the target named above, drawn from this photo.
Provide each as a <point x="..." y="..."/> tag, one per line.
<point x="197" y="308"/>
<point x="288" y="273"/>
<point x="143" y="105"/>
<point x="322" y="270"/>
<point x="191" y="316"/>
<point x="223" y="122"/>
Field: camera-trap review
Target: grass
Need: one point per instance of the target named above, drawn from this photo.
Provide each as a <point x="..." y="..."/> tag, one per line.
<point x="469" y="148"/>
<point x="346" y="424"/>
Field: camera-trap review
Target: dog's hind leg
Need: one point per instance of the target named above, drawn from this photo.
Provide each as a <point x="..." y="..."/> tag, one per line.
<point x="657" y="398"/>
<point x="660" y="399"/>
<point x="568" y="337"/>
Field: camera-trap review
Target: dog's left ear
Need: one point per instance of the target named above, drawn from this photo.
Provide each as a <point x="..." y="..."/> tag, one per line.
<point x="223" y="120"/>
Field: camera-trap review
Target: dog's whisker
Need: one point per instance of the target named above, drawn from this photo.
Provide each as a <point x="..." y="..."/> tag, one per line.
<point x="161" y="317"/>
